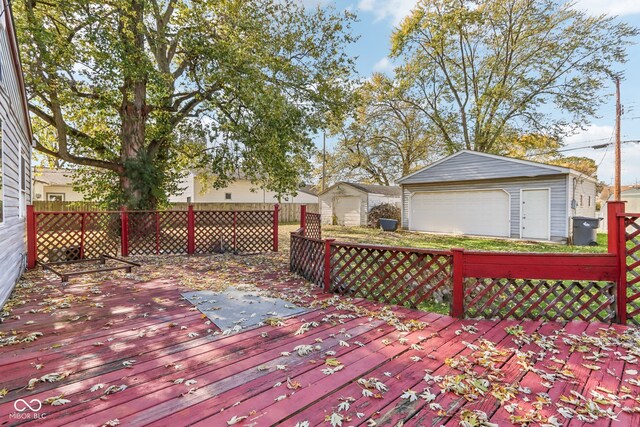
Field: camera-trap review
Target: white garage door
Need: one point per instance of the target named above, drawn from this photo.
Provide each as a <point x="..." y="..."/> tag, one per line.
<point x="347" y="211"/>
<point x="482" y="213"/>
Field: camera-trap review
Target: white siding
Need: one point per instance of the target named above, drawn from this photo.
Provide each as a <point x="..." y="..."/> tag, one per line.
<point x="15" y="139"/>
<point x="557" y="184"/>
<point x="583" y="191"/>
<point x="242" y="191"/>
<point x="328" y="199"/>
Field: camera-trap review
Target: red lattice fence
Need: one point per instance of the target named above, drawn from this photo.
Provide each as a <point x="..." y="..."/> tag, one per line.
<point x="631" y="225"/>
<point x="65" y="236"/>
<point x="401" y="276"/>
<point x="538" y="286"/>
<point x="487" y="284"/>
<point x="310" y="223"/>
<point x="307" y="257"/>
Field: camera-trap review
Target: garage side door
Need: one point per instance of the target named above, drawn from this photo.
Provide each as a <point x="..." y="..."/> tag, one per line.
<point x="347" y="211"/>
<point x="482" y="213"/>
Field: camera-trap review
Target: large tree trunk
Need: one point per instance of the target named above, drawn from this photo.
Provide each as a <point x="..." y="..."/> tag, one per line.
<point x="134" y="113"/>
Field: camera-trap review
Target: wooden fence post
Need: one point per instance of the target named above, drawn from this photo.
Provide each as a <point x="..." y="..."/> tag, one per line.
<point x="327" y="265"/>
<point x="303" y="219"/>
<point x="457" y="308"/>
<point x="124" y="231"/>
<point x="191" y="231"/>
<point x="617" y="245"/>
<point x="31" y="238"/>
<point x="276" y="212"/>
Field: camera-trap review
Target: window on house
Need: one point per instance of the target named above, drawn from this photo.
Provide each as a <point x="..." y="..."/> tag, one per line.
<point x="581" y="201"/>
<point x="227" y="196"/>
<point x="24" y="168"/>
<point x="55" y="197"/>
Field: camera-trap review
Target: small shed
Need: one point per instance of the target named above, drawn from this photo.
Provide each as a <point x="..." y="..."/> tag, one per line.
<point x="481" y="194"/>
<point x="348" y="203"/>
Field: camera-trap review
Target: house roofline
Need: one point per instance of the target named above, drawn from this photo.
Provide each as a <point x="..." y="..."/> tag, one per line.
<point x="559" y="169"/>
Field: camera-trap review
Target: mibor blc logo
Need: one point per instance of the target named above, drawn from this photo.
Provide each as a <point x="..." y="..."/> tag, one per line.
<point x="27" y="410"/>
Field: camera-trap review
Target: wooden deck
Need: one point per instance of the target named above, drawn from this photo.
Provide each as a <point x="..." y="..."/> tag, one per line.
<point x="130" y="349"/>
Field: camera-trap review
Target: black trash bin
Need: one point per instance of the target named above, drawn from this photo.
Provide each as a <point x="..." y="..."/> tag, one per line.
<point x="585" y="230"/>
<point x="388" y="224"/>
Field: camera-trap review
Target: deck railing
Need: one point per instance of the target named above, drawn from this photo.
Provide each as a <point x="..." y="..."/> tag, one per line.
<point x="66" y="236"/>
<point x="602" y="287"/>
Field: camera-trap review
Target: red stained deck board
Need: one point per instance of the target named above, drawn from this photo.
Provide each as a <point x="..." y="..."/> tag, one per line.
<point x="160" y="388"/>
<point x="402" y="369"/>
<point x="207" y="346"/>
<point x="405" y="373"/>
<point x="241" y="385"/>
<point x="418" y="412"/>
<point x="509" y="367"/>
<point x="315" y="384"/>
<point x="523" y="379"/>
<point x="225" y="367"/>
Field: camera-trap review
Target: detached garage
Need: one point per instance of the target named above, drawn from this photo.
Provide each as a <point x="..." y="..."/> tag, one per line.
<point x="481" y="194"/>
<point x="348" y="203"/>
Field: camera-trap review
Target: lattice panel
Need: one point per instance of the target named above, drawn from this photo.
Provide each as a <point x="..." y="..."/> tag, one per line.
<point x="314" y="226"/>
<point x="254" y="231"/>
<point x="539" y="299"/>
<point x="632" y="227"/>
<point x="400" y="277"/>
<point x="101" y="234"/>
<point x="58" y="236"/>
<point x="306" y="258"/>
<point x="158" y="233"/>
<point x="214" y="232"/>
<point x="174" y="232"/>
<point x="144" y="236"/>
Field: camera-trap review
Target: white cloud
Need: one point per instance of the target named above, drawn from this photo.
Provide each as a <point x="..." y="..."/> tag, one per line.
<point x="383" y="9"/>
<point x="609" y="7"/>
<point x="383" y="66"/>
<point x="605" y="157"/>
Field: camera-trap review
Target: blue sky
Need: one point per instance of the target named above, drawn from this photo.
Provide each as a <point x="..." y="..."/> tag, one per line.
<point x="378" y="18"/>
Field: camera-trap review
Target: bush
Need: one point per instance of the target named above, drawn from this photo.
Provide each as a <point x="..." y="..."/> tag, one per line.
<point x="384" y="210"/>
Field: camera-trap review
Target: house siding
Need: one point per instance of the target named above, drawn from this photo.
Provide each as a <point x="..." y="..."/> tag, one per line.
<point x="468" y="166"/>
<point x="558" y="199"/>
<point x="16" y="145"/>
<point x="328" y="199"/>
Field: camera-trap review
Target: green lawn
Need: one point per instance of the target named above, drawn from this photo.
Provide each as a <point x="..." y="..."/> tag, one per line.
<point x="438" y="241"/>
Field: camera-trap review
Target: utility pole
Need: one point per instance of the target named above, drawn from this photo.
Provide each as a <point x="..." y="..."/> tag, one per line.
<point x="616" y="185"/>
<point x="324" y="159"/>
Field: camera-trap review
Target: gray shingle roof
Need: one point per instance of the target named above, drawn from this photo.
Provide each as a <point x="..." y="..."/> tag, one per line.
<point x="386" y="190"/>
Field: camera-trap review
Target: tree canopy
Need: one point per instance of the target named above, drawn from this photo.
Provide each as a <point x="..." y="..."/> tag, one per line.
<point x="139" y="90"/>
<point x="484" y="70"/>
<point x="384" y="138"/>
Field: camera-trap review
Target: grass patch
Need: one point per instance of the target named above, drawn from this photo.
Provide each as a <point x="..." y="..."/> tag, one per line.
<point x="444" y="242"/>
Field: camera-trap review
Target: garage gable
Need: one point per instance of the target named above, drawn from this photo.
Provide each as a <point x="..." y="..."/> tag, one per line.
<point x="471" y="166"/>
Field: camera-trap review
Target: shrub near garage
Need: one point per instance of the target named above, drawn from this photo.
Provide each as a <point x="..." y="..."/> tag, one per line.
<point x="384" y="210"/>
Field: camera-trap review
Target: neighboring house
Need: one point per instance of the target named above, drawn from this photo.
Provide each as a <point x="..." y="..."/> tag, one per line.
<point x="348" y="203"/>
<point x="239" y="191"/>
<point x="15" y="158"/>
<point x="55" y="185"/>
<point x="487" y="195"/>
<point x="629" y="194"/>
